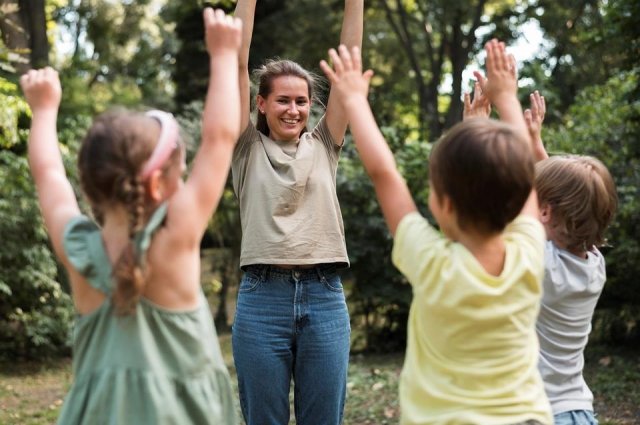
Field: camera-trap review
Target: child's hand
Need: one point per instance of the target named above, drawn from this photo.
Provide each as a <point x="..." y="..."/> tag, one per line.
<point x="41" y="89"/>
<point x="535" y="115"/>
<point x="222" y="32"/>
<point x="502" y="79"/>
<point x="346" y="77"/>
<point x="479" y="106"/>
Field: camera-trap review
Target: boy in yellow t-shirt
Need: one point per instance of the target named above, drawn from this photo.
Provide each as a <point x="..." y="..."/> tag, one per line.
<point x="472" y="349"/>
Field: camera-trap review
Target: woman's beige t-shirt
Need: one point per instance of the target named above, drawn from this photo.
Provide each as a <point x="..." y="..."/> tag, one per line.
<point x="288" y="204"/>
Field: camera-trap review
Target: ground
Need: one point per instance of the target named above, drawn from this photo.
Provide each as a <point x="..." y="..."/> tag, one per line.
<point x="32" y="393"/>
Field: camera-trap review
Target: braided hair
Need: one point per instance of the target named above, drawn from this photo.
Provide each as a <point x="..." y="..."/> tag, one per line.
<point x="110" y="159"/>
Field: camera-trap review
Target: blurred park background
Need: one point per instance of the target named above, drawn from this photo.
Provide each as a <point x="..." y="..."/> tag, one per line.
<point x="582" y="55"/>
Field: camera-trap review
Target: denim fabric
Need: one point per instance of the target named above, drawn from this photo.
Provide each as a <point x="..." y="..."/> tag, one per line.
<point x="291" y="324"/>
<point x="575" y="417"/>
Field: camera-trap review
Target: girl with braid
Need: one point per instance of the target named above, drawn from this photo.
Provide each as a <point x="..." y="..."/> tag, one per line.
<point x="145" y="348"/>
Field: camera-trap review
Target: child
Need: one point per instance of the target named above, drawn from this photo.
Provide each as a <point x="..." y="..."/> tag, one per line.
<point x="577" y="198"/>
<point x="472" y="349"/>
<point x="145" y="348"/>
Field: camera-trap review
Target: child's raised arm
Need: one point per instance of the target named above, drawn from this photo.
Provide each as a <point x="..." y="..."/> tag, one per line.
<point x="193" y="205"/>
<point x="57" y="200"/>
<point x="350" y="86"/>
<point x="534" y="117"/>
<point x="350" y="36"/>
<point x="501" y="87"/>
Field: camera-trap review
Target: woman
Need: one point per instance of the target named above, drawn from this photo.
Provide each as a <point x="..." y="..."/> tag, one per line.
<point x="291" y="318"/>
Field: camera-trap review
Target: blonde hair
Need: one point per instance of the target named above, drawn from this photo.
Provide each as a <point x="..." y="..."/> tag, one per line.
<point x="582" y="197"/>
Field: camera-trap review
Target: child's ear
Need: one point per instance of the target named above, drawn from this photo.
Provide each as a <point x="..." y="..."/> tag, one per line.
<point x="545" y="214"/>
<point x="154" y="186"/>
<point x="447" y="205"/>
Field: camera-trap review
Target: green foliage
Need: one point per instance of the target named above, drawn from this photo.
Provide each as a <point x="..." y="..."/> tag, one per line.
<point x="379" y="296"/>
<point x="35" y="313"/>
<point x="13" y="108"/>
<point x="605" y="122"/>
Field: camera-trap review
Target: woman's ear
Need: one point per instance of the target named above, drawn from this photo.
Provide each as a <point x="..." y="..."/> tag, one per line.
<point x="260" y="103"/>
<point x="154" y="186"/>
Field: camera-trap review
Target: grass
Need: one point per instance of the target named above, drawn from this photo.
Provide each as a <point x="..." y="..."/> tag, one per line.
<point x="32" y="393"/>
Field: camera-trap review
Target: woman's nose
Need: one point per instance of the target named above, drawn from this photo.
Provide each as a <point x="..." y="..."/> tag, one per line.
<point x="293" y="107"/>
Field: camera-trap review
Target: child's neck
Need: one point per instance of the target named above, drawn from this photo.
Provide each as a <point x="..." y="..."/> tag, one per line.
<point x="489" y="250"/>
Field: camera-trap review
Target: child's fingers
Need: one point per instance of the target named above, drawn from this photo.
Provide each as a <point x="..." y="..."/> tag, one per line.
<point x="477" y="91"/>
<point x="208" y="16"/>
<point x="345" y="56"/>
<point x="368" y="74"/>
<point x="328" y="71"/>
<point x="480" y="79"/>
<point x="467" y="102"/>
<point x="356" y="58"/>
<point x="336" y="61"/>
<point x="512" y="65"/>
<point x="528" y="118"/>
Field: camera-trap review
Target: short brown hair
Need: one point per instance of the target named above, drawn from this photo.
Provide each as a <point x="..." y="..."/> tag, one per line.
<point x="582" y="197"/>
<point x="487" y="171"/>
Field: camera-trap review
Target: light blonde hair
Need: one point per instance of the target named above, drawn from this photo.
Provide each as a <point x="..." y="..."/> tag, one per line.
<point x="582" y="197"/>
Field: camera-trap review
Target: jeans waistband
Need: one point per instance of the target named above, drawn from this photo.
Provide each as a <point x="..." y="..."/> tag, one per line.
<point x="265" y="271"/>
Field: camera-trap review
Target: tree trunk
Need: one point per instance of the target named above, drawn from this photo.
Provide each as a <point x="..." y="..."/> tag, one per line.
<point x="34" y="17"/>
<point x="15" y="35"/>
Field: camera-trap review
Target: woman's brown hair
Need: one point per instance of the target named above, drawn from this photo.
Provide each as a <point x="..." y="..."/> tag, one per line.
<point x="273" y="69"/>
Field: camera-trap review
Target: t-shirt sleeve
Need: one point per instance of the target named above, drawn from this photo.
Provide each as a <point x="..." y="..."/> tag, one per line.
<point x="416" y="246"/>
<point x="531" y="235"/>
<point x="321" y="132"/>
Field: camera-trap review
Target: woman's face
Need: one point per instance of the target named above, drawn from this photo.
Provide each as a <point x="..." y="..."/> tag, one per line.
<point x="286" y="107"/>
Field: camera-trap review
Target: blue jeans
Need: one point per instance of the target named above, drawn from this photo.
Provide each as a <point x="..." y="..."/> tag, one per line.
<point x="575" y="417"/>
<point x="291" y="324"/>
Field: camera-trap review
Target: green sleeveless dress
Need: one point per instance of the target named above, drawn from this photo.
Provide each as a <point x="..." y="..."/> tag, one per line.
<point x="156" y="366"/>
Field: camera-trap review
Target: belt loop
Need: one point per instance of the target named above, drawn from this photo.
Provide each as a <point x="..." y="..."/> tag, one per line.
<point x="264" y="272"/>
<point x="320" y="272"/>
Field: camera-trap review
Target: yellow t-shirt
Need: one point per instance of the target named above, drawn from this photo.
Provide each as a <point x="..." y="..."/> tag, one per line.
<point x="472" y="350"/>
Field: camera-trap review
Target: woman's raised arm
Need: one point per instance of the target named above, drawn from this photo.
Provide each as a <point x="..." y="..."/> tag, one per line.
<point x="350" y="36"/>
<point x="245" y="11"/>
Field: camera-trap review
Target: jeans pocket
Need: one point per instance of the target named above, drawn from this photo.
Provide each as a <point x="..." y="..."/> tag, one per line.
<point x="249" y="283"/>
<point x="332" y="282"/>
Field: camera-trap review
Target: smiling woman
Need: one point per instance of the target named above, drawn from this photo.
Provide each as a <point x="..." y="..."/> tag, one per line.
<point x="291" y="317"/>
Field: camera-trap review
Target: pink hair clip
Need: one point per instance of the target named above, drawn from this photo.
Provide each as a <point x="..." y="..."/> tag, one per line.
<point x="167" y="142"/>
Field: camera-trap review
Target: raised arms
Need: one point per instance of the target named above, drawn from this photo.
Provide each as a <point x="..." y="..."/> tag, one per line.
<point x="55" y="194"/>
<point x="350" y="87"/>
<point x="192" y="206"/>
<point x="245" y="11"/>
<point x="350" y="36"/>
<point x="501" y="87"/>
<point x="533" y="117"/>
